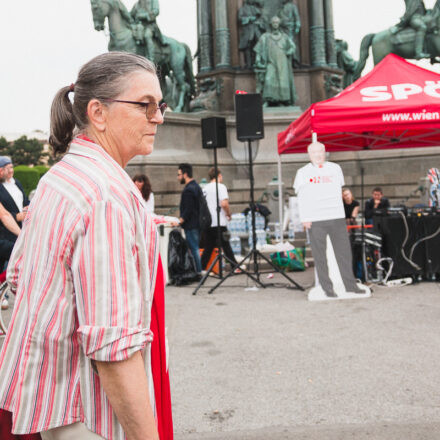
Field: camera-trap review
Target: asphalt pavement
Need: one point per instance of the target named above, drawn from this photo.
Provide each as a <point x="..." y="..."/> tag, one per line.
<point x="268" y="364"/>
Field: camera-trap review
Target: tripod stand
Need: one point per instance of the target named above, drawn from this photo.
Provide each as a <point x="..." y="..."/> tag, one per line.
<point x="219" y="257"/>
<point x="254" y="254"/>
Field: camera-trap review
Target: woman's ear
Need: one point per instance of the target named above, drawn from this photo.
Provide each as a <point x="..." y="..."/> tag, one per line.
<point x="97" y="114"/>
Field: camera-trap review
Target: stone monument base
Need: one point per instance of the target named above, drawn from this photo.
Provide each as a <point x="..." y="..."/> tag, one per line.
<point x="179" y="140"/>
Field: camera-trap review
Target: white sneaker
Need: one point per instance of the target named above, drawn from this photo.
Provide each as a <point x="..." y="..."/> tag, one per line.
<point x="5" y="304"/>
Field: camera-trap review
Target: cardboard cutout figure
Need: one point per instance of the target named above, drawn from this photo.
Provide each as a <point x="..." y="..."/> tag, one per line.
<point x="319" y="188"/>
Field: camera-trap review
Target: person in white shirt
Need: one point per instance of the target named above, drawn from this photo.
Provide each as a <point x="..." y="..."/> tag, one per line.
<point x="211" y="235"/>
<point x="318" y="185"/>
<point x="143" y="183"/>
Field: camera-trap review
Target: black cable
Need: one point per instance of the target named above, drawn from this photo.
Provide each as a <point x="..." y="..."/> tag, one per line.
<point x="402" y="250"/>
<point x="429" y="237"/>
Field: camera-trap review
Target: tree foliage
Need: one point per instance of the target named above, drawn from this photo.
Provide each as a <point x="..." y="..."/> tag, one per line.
<point x="28" y="177"/>
<point x="24" y="151"/>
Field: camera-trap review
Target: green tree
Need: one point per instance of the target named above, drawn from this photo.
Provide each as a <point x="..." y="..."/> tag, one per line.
<point x="4" y="146"/>
<point x="26" y="151"/>
<point x="28" y="177"/>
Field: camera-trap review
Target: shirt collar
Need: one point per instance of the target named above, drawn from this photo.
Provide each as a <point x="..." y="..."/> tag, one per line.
<point x="83" y="146"/>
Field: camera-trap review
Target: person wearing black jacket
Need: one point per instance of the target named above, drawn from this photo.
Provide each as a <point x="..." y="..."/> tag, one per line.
<point x="189" y="210"/>
<point x="378" y="201"/>
<point x="12" y="197"/>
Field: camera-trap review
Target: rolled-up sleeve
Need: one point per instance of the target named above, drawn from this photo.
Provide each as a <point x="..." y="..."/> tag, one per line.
<point x="106" y="279"/>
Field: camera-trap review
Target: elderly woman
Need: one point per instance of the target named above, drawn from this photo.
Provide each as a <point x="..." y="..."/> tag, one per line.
<point x="84" y="354"/>
<point x="143" y="183"/>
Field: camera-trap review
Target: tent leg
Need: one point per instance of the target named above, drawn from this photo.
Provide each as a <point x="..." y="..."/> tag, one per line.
<point x="280" y="198"/>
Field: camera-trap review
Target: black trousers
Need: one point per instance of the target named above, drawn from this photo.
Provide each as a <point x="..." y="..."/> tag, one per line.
<point x="210" y="242"/>
<point x="6" y="247"/>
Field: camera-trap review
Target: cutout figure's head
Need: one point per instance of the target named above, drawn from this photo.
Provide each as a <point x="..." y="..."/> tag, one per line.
<point x="316" y="152"/>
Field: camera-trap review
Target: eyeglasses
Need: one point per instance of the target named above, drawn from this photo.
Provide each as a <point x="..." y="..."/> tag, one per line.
<point x="151" y="108"/>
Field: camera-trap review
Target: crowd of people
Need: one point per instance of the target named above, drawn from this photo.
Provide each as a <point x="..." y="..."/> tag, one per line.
<point x="190" y="203"/>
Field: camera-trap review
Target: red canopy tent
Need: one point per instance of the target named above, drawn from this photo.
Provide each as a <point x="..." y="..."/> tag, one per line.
<point x="396" y="105"/>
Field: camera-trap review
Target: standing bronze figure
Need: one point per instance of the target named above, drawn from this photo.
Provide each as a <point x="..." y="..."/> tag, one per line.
<point x="252" y="27"/>
<point x="291" y="25"/>
<point x="273" y="66"/>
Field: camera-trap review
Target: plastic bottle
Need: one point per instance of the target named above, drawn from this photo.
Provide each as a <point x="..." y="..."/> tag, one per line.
<point x="268" y="236"/>
<point x="277" y="232"/>
<point x="235" y="245"/>
<point x="261" y="237"/>
<point x="291" y="231"/>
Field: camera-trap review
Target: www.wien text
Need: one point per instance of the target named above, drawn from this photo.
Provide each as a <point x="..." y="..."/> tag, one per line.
<point x="420" y="116"/>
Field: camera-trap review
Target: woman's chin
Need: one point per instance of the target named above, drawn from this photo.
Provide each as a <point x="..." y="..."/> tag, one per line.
<point x="146" y="149"/>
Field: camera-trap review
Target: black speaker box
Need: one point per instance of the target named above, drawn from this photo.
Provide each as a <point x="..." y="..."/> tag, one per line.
<point x="249" y="116"/>
<point x="213" y="133"/>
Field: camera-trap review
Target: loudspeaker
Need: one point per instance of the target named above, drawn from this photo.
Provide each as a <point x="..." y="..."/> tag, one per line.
<point x="213" y="133"/>
<point x="249" y="116"/>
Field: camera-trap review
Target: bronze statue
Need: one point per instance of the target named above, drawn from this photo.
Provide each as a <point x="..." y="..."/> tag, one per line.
<point x="119" y="19"/>
<point x="251" y="28"/>
<point x="207" y="99"/>
<point x="173" y="58"/>
<point x="291" y="25"/>
<point x="273" y="66"/>
<point x="345" y="62"/>
<point x="405" y="42"/>
<point x="414" y="17"/>
<point x="144" y="14"/>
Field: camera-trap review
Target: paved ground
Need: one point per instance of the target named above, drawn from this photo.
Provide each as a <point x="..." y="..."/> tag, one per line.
<point x="267" y="364"/>
<point x="271" y="365"/>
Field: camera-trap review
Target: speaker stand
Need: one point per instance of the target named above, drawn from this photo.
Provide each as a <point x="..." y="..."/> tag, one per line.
<point x="219" y="257"/>
<point x="254" y="254"/>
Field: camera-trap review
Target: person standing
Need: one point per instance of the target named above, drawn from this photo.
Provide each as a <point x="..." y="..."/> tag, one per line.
<point x="351" y="206"/>
<point x="189" y="211"/>
<point x="143" y="183"/>
<point x="225" y="214"/>
<point x="84" y="355"/>
<point x="377" y="201"/>
<point x="12" y="197"/>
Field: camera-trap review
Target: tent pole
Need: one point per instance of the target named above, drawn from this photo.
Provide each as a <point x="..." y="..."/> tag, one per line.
<point x="280" y="198"/>
<point x="364" y="258"/>
<point x="314" y="137"/>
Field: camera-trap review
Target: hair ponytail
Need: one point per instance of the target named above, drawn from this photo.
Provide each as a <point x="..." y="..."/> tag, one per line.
<point x="62" y="121"/>
<point x="103" y="77"/>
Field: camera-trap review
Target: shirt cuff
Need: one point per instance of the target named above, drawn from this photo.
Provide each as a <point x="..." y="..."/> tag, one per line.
<point x="109" y="344"/>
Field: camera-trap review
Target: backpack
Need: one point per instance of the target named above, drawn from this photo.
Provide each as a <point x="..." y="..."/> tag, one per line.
<point x="205" y="218"/>
<point x="181" y="264"/>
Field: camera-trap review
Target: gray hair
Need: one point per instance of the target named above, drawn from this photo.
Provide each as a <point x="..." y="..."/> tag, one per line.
<point x="102" y="78"/>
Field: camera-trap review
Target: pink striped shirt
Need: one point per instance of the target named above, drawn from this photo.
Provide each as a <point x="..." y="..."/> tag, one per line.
<point x="83" y="270"/>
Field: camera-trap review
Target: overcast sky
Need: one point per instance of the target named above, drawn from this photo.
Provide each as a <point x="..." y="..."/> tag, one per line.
<point x="44" y="42"/>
